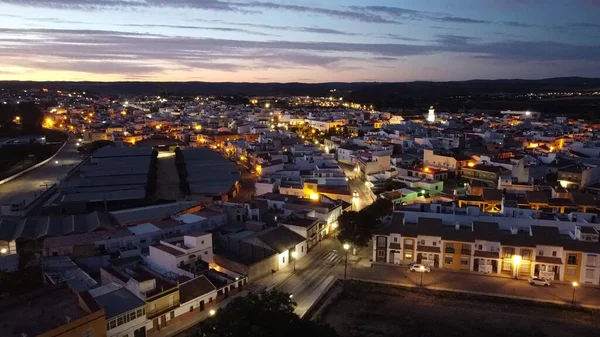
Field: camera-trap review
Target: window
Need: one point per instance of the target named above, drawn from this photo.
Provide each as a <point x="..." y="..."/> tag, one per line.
<point x="172" y="314"/>
<point x="113" y="324"/>
<point x="191" y="308"/>
<point x="88" y="333"/>
<point x="554" y="253"/>
<point x="508" y="252"/>
<point x="572" y="259"/>
<point x="380" y="241"/>
<point x="210" y="300"/>
<point x="283" y="259"/>
<point x="381" y="253"/>
<point x="464" y="261"/>
<point x="132" y="315"/>
<point x="526" y="254"/>
<point x="589" y="274"/>
<point x="592" y="260"/>
<point x="450" y="245"/>
<point x="408" y="256"/>
<point x="465" y="247"/>
<point x="206" y="252"/>
<point x="395" y="239"/>
<point x="570" y="271"/>
<point x="423" y="242"/>
<point x="448" y="260"/>
<point x="202" y="242"/>
<point x="434" y="243"/>
<point x="480" y="247"/>
<point x="120" y="320"/>
<point x="540" y="252"/>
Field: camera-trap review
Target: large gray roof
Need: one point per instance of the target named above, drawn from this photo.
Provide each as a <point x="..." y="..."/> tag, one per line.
<point x="208" y="172"/>
<point x="118" y="302"/>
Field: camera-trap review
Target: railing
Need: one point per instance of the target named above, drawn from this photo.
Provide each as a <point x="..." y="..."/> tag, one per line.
<point x="449" y="250"/>
<point x="465" y="251"/>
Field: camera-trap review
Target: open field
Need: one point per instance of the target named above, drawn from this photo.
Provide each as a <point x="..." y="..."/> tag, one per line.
<point x="368" y="309"/>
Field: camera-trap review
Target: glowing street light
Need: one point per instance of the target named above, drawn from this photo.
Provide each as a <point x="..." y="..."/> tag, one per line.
<point x="3" y="251"/>
<point x="346" y="248"/>
<point x="212" y="312"/>
<point x="575" y="285"/>
<point x="422" y="270"/>
<point x="517" y="261"/>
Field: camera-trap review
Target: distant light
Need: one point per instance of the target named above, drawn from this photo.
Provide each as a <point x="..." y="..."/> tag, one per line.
<point x="346" y="246"/>
<point x="527" y="113"/>
<point x="56" y="162"/>
<point x="212" y="312"/>
<point x="3" y="251"/>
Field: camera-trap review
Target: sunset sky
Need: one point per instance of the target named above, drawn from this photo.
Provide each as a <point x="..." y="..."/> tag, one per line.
<point x="297" y="40"/>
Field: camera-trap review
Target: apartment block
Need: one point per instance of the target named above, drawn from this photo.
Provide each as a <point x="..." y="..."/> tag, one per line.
<point x="485" y="247"/>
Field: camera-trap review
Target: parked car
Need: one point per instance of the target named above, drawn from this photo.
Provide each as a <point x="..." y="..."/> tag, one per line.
<point x="419" y="268"/>
<point x="538" y="281"/>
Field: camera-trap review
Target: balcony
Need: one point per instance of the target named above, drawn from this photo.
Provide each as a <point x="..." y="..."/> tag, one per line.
<point x="449" y="250"/>
<point x="465" y="252"/>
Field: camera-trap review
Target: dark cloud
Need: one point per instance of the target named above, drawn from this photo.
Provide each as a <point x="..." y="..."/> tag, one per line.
<point x="136" y="53"/>
<point x="518" y="24"/>
<point x="409" y="14"/>
<point x="342" y="14"/>
<point x="219" y="29"/>
<point x="318" y="30"/>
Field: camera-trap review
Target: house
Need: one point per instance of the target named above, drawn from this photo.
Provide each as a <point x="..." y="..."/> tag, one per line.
<point x="308" y="227"/>
<point x="125" y="313"/>
<point x="282" y="240"/>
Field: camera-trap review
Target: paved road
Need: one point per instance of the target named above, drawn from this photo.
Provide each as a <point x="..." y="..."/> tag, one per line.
<point x="30" y="185"/>
<point x="468" y="282"/>
<point x="354" y="184"/>
<point x="314" y="273"/>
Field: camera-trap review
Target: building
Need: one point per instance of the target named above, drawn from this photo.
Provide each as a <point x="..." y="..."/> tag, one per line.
<point x="567" y="251"/>
<point x="309" y="228"/>
<point x="55" y="311"/>
<point x="487" y="174"/>
<point x="208" y="175"/>
<point x="125" y="313"/>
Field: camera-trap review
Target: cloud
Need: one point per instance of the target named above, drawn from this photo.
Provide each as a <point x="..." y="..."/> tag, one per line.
<point x="317" y="30"/>
<point x="342" y="14"/>
<point x="409" y="14"/>
<point x="99" y="51"/>
<point x="518" y="24"/>
<point x="220" y="29"/>
<point x="89" y="5"/>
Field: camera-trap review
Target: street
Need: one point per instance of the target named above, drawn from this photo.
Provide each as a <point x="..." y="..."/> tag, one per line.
<point x="30" y="185"/>
<point x="316" y="271"/>
<point x="364" y="198"/>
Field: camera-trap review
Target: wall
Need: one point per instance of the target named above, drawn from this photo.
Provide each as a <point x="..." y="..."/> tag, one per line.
<point x="575" y="268"/>
<point x="161" y="302"/>
<point x="95" y="322"/>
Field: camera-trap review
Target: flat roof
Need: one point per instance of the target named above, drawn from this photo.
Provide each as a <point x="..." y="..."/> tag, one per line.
<point x="119" y="302"/>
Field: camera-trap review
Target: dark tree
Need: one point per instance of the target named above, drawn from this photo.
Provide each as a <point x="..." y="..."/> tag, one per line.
<point x="356" y="228"/>
<point x="31" y="117"/>
<point x="268" y="314"/>
<point x="551" y="177"/>
<point x="6" y="117"/>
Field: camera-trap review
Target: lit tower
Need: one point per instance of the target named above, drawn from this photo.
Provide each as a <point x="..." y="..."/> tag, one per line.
<point x="431" y="115"/>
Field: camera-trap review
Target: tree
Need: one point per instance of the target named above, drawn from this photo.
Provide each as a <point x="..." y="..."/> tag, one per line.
<point x="356" y="228"/>
<point x="551" y="177"/>
<point x="267" y="314"/>
<point x="31" y="117"/>
<point x="6" y="117"/>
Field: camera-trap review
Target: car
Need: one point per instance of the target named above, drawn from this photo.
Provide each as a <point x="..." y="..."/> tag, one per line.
<point x="419" y="268"/>
<point x="538" y="281"/>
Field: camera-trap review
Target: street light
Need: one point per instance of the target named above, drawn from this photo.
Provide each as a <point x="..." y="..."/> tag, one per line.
<point x="346" y="248"/>
<point x="574" y="284"/>
<point x="422" y="270"/>
<point x="212" y="312"/>
<point x="294" y="254"/>
<point x="56" y="162"/>
<point x="517" y="261"/>
<point x="3" y="251"/>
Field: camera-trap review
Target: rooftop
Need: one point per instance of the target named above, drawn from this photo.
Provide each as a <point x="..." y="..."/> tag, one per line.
<point x="118" y="302"/>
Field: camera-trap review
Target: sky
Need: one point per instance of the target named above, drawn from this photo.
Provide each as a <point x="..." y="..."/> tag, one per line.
<point x="297" y="40"/>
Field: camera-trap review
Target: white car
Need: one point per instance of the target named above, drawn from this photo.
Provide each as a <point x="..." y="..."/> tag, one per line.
<point x="537" y="281"/>
<point x="419" y="268"/>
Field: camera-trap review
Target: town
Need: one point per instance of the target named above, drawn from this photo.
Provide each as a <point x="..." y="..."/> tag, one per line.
<point x="145" y="215"/>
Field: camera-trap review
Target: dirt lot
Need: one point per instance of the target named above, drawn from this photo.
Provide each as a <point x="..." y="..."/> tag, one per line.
<point x="367" y="309"/>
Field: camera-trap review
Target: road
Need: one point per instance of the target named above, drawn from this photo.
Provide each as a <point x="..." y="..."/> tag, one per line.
<point x="29" y="186"/>
<point x="469" y="282"/>
<point x="356" y="184"/>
